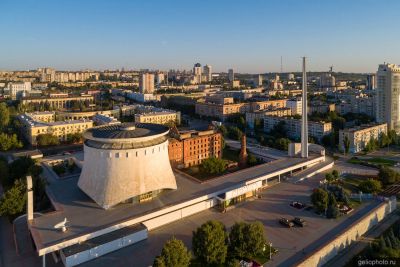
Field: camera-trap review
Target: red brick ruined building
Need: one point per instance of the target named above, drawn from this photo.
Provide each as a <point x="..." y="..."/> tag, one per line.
<point x="190" y="148"/>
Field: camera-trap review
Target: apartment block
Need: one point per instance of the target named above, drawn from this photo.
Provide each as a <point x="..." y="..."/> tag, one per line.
<point x="293" y="126"/>
<point x="360" y="136"/>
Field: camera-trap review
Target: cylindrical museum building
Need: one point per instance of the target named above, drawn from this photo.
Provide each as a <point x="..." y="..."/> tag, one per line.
<point x="125" y="162"/>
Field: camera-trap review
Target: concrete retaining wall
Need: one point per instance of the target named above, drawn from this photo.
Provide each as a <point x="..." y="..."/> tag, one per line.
<point x="352" y="233"/>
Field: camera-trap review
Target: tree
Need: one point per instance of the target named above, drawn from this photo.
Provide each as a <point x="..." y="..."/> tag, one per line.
<point x="173" y="254"/>
<point x="388" y="176"/>
<point x="8" y="142"/>
<point x="329" y="177"/>
<point x="47" y="140"/>
<point x="370" y="186"/>
<point x="251" y="160"/>
<point x="4" y="116"/>
<point x="246" y="240"/>
<point x="209" y="243"/>
<point x="335" y="174"/>
<point x="237" y="244"/>
<point x="235" y="133"/>
<point x="222" y="129"/>
<point x="74" y="138"/>
<point x="346" y="144"/>
<point x="332" y="210"/>
<point x="13" y="201"/>
<point x="384" y="140"/>
<point x="282" y="143"/>
<point x="213" y="165"/>
<point x="158" y="262"/>
<point x="21" y="167"/>
<point x="319" y="198"/>
<point x="254" y="239"/>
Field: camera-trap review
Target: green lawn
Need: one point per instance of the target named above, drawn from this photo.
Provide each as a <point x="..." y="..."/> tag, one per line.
<point x="375" y="161"/>
<point x="351" y="182"/>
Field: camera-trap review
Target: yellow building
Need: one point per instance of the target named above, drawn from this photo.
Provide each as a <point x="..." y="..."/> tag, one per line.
<point x="58" y="101"/>
<point x="33" y="128"/>
<point x="161" y="117"/>
<point x="44" y="116"/>
<point x="360" y="136"/>
<point x="223" y="110"/>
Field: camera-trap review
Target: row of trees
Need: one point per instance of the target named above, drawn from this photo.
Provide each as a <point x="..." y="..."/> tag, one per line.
<point x="213" y="245"/>
<point x="13" y="202"/>
<point x="388" y="176"/>
<point x="386" y="246"/>
<point x="8" y="137"/>
<point x="49" y="139"/>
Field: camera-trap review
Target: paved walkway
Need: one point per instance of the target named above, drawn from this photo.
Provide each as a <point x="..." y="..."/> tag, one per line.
<point x="346" y="255"/>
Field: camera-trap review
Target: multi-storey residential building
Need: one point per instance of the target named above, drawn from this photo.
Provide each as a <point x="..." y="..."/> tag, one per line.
<point x="33" y="128"/>
<point x="197" y="73"/>
<point x="364" y="105"/>
<point x="258" y="80"/>
<point x="160" y="78"/>
<point x="231" y="75"/>
<point x="295" y="104"/>
<point x="293" y="126"/>
<point x="44" y="116"/>
<point x="101" y="119"/>
<point x="190" y="148"/>
<point x="371" y="81"/>
<point x="223" y="110"/>
<point x="327" y="80"/>
<point x="360" y="136"/>
<point x="17" y="90"/>
<point x="207" y="73"/>
<point x="320" y="107"/>
<point x="260" y="114"/>
<point x="159" y="117"/>
<point x="146" y="84"/>
<point x="388" y="96"/>
<point x="47" y="74"/>
<point x="58" y="101"/>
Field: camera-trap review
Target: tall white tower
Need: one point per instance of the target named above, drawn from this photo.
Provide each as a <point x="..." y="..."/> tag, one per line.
<point x="388" y="96"/>
<point x="304" y="122"/>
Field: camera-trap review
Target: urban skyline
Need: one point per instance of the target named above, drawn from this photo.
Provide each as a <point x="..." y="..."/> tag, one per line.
<point x="246" y="36"/>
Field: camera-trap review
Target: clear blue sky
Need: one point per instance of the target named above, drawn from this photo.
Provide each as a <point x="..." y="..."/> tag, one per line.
<point x="250" y="36"/>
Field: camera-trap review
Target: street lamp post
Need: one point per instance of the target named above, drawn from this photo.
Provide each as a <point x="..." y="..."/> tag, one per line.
<point x="270" y="250"/>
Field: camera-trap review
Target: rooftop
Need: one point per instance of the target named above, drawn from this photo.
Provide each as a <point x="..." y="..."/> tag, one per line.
<point x="126" y="130"/>
<point x="85" y="216"/>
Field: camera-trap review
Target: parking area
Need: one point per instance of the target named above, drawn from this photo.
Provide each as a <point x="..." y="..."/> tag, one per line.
<point x="273" y="204"/>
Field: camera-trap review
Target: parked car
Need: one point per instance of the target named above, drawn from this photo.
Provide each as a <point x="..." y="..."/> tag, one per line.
<point x="286" y="222"/>
<point x="299" y="221"/>
<point x="297" y="205"/>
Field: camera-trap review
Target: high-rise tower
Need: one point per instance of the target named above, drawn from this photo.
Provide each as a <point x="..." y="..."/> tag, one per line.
<point x="388" y="96"/>
<point x="304" y="122"/>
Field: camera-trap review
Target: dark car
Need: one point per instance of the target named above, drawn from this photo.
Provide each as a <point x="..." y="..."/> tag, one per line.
<point x="297" y="205"/>
<point x="286" y="222"/>
<point x="299" y="221"/>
